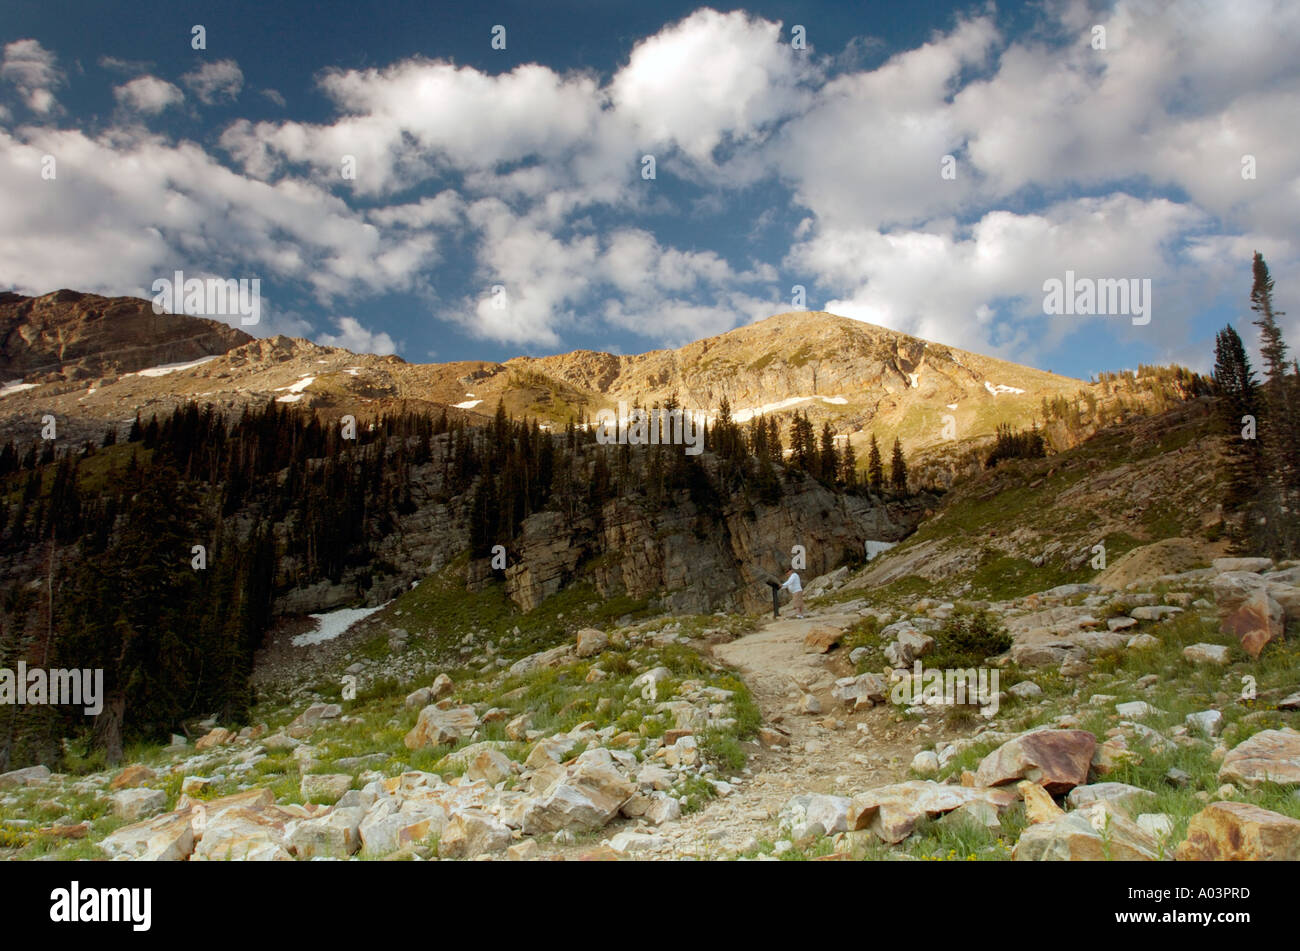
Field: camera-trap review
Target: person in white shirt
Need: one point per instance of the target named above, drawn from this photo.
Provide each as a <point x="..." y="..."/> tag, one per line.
<point x="795" y="587"/>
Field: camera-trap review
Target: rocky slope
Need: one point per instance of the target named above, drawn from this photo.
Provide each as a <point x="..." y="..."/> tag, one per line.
<point x="1138" y="744"/>
<point x="94" y="362"/>
<point x="70" y="336"/>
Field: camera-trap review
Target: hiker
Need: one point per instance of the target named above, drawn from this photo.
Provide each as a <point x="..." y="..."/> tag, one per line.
<point x="793" y="585"/>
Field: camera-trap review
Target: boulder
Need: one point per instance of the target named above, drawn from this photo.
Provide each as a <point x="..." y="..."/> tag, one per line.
<point x="802" y="813"/>
<point x="1288" y="596"/>
<point x="1271" y="756"/>
<point x="334" y="835"/>
<point x="1222" y="565"/>
<point x="324" y="787"/>
<point x="1057" y="760"/>
<point x="1232" y="588"/>
<point x="663" y="808"/>
<point x="554" y="657"/>
<point x="977" y="813"/>
<point x="133" y="775"/>
<point x="1156" y="612"/>
<point x="419" y="698"/>
<point x="553" y="749"/>
<point x="1208" y="722"/>
<point x="1096" y="833"/>
<point x="133" y="804"/>
<point x="437" y="727"/>
<point x="472" y="832"/>
<point x="278" y="742"/>
<point x="517" y="729"/>
<point x="637" y="842"/>
<point x="925" y="763"/>
<point x="656" y="777"/>
<point x="1240" y="831"/>
<point x="1039" y="806"/>
<point x="442" y="687"/>
<point x="257" y="799"/>
<point x="1206" y="654"/>
<point x="243" y="834"/>
<point x="909" y="645"/>
<point x="219" y="736"/>
<point x="586" y="797"/>
<point x="863" y="690"/>
<point x="314" y="714"/>
<point x="685" y="752"/>
<point x="165" y="838"/>
<point x="523" y="851"/>
<point x="388" y="827"/>
<point x="591" y="642"/>
<point x="820" y="640"/>
<point x="1255" y="622"/>
<point x="1040" y="654"/>
<point x="892" y="812"/>
<point x="27" y="776"/>
<point x="1129" y="800"/>
<point x="1136" y="709"/>
<point x="1025" y="690"/>
<point x="491" y="766"/>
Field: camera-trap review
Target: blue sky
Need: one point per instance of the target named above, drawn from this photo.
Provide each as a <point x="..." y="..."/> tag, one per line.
<point x="522" y="168"/>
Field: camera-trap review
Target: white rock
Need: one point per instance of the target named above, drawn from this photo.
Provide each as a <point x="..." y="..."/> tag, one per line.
<point x="1137" y="709"/>
<point x="1209" y="722"/>
<point x="1206" y="654"/>
<point x="926" y="763"/>
<point x="134" y="804"/>
<point x="637" y="842"/>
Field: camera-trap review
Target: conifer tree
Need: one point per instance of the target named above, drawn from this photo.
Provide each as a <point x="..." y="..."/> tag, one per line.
<point x="875" y="467"/>
<point x="898" y="469"/>
<point x="828" y="460"/>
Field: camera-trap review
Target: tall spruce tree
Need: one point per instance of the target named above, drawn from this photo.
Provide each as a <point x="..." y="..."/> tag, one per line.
<point x="875" y="467"/>
<point x="898" y="468"/>
<point x="1280" y="425"/>
<point x="1237" y="410"/>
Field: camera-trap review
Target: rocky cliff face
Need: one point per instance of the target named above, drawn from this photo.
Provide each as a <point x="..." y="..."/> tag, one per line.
<point x="69" y="335"/>
<point x="680" y="559"/>
<point x="685" y="562"/>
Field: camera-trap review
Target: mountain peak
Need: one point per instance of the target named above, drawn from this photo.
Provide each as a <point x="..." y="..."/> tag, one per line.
<point x="72" y="335"/>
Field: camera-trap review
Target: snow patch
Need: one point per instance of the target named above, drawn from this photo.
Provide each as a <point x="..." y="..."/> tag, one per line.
<point x="332" y="624"/>
<point x="468" y="404"/>
<point x="17" y="386"/>
<point x="996" y="388"/>
<point x="745" y="415"/>
<point x="299" y="386"/>
<point x="291" y="398"/>
<point x="164" y="368"/>
<point x="875" y="548"/>
<point x="352" y="371"/>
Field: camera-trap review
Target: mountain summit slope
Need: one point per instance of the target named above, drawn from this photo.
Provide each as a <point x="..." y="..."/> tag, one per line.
<point x="68" y="335"/>
<point x="96" y="362"/>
